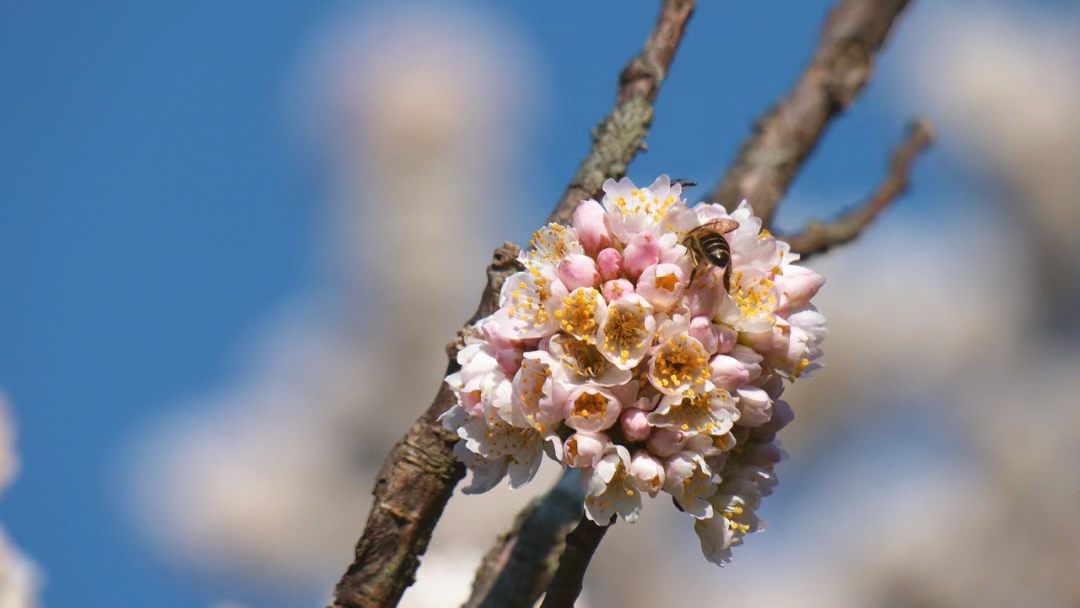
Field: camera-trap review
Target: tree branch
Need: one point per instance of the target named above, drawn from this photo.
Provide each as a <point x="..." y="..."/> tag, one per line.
<point x="785" y="136"/>
<point x="414" y="483"/>
<point x="580" y="546"/>
<point x="517" y="569"/>
<point x="818" y="237"/>
<point x="421" y="471"/>
<point x="619" y="136"/>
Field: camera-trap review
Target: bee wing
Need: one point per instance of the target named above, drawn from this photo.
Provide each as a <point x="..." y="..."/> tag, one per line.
<point x="722" y="225"/>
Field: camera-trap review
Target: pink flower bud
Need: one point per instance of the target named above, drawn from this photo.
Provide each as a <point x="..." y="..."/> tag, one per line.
<point x="664" y="442"/>
<point x="750" y="358"/>
<point x="635" y="424"/>
<point x="577" y="270"/>
<point x="613" y="290"/>
<point x="641" y="252"/>
<point x="797" y="285"/>
<point x="755" y="406"/>
<point x="590" y="223"/>
<point x="661" y="285"/>
<point x="609" y="262"/>
<point x="766" y="341"/>
<point x="591" y="409"/>
<point x="702" y="329"/>
<point x="647" y="473"/>
<point x="728" y="372"/>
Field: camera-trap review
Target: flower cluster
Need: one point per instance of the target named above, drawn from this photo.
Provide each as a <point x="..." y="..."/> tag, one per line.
<point x="619" y="351"/>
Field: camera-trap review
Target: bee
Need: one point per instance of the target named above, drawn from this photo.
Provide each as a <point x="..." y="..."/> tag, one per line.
<point x="708" y="248"/>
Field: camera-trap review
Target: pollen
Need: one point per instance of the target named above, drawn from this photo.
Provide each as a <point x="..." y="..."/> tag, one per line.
<point x="550" y="244"/>
<point x="754" y="297"/>
<point x="693" y="413"/>
<point x="572" y="449"/>
<point x="623" y="327"/>
<point x="579" y="315"/>
<point x="589" y="405"/>
<point x="680" y="362"/>
<point x="581" y="357"/>
<point x="667" y="282"/>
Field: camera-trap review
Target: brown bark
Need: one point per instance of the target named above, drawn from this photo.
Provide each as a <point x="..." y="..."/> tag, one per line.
<point x="580" y="546"/>
<point x="770" y="158"/>
<point x="517" y="569"/>
<point x="819" y="237"/>
<point x="414" y="484"/>
<point x="620" y="135"/>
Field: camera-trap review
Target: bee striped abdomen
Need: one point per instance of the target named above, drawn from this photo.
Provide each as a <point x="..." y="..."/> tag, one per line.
<point x="716" y="249"/>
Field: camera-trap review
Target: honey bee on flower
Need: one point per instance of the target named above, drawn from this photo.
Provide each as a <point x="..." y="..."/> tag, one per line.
<point x="647" y="344"/>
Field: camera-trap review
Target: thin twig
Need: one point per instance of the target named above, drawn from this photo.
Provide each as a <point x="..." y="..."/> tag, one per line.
<point x="580" y="546"/>
<point x="414" y="484"/>
<point x="785" y="136"/>
<point x="619" y="136"/>
<point x="517" y="569"/>
<point x="421" y="471"/>
<point x="818" y="237"/>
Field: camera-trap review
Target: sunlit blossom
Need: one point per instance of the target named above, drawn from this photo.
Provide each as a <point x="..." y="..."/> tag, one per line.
<point x="604" y="356"/>
<point x="712" y="412"/>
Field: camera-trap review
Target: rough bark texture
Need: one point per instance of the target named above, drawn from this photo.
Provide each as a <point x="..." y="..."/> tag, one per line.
<point x="414" y="484"/>
<point x="620" y="135"/>
<point x="785" y="136"/>
<point x="819" y="237"/>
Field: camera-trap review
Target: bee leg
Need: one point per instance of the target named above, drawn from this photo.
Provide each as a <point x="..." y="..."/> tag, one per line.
<point x="727" y="279"/>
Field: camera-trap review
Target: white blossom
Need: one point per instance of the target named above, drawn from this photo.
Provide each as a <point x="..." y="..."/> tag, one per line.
<point x="602" y="348"/>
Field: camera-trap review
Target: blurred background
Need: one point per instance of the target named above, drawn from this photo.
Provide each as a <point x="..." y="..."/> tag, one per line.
<point x="234" y="238"/>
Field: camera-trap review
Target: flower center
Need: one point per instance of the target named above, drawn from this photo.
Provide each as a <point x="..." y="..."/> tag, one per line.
<point x="624" y="331"/>
<point x="579" y="316"/>
<point x="550" y="243"/>
<point x="682" y="364"/>
<point x="695" y="412"/>
<point x="641" y="202"/>
<point x="588" y="405"/>
<point x="667" y="282"/>
<point x="582" y="358"/>
<point x="754" y="297"/>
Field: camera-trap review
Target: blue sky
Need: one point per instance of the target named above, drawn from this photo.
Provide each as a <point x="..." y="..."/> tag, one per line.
<point x="157" y="205"/>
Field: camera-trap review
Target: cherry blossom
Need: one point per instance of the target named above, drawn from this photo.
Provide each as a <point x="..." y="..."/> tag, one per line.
<point x="612" y="353"/>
